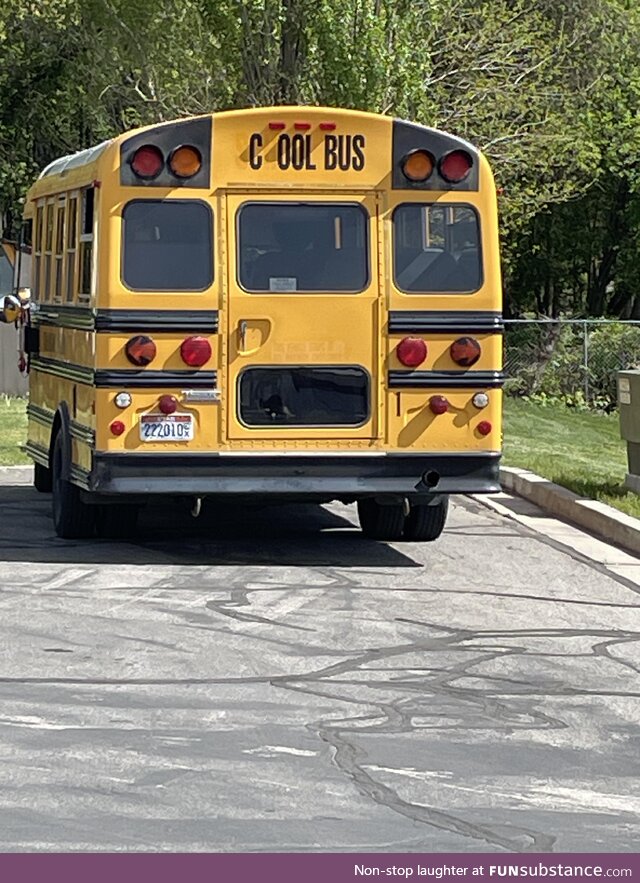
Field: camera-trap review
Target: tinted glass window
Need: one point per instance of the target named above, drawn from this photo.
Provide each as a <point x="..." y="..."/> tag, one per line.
<point x="436" y="248"/>
<point x="296" y="247"/>
<point x="167" y="246"/>
<point x="304" y="396"/>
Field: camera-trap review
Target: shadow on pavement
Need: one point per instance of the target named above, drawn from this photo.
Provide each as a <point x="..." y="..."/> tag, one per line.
<point x="223" y="534"/>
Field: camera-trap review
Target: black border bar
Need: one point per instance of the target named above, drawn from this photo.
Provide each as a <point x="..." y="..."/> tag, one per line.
<point x="446" y="379"/>
<point x="445" y="322"/>
<point x="205" y="321"/>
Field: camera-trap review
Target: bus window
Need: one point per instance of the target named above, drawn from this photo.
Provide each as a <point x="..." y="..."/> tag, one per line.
<point x="72" y="220"/>
<point x="168" y="245"/>
<point x="436" y="248"/>
<point x="302" y="247"/>
<point x="59" y="251"/>
<point x="48" y="245"/>
<point x="306" y="396"/>
<point x="38" y="244"/>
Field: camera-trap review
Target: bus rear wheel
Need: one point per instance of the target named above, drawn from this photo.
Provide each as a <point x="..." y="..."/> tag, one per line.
<point x="72" y="518"/>
<point x="42" y="479"/>
<point x="426" y="523"/>
<point x="379" y="521"/>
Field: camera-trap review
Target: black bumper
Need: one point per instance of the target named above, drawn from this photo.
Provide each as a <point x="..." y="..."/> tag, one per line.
<point x="340" y="476"/>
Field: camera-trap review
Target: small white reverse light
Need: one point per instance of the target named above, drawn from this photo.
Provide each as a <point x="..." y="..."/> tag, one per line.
<point x="480" y="400"/>
<point x="123" y="399"/>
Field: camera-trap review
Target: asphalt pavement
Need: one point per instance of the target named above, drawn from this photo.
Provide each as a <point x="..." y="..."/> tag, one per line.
<point x="269" y="680"/>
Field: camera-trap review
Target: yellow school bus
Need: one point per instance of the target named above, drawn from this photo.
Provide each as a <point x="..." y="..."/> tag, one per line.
<point x="275" y="304"/>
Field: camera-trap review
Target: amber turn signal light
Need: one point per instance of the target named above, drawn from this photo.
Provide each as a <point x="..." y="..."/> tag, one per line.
<point x="140" y="350"/>
<point x="465" y="351"/>
<point x="417" y="165"/>
<point x="185" y="161"/>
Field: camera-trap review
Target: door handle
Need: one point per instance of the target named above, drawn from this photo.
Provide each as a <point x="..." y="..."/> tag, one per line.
<point x="242" y="333"/>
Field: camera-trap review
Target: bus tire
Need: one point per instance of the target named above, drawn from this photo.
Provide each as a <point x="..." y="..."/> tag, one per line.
<point x="426" y="523"/>
<point x="72" y="518"/>
<point x="379" y="522"/>
<point x="42" y="479"/>
<point x="116" y="522"/>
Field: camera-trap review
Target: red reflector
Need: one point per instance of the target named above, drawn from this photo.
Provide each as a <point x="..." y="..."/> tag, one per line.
<point x="140" y="350"/>
<point x="412" y="351"/>
<point x="302" y="127"/>
<point x="117" y="427"/>
<point x="195" y="351"/>
<point x="147" y="161"/>
<point x="438" y="404"/>
<point x="484" y="427"/>
<point x="465" y="351"/>
<point x="327" y="127"/>
<point x="277" y="124"/>
<point x="168" y="404"/>
<point x="455" y="166"/>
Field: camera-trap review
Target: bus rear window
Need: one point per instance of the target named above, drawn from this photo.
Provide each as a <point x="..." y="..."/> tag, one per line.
<point x="167" y="245"/>
<point x="436" y="248"/>
<point x="304" y="396"/>
<point x="287" y="247"/>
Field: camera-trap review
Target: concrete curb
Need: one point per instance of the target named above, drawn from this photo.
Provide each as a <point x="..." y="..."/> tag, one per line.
<point x="16" y="474"/>
<point x="598" y="518"/>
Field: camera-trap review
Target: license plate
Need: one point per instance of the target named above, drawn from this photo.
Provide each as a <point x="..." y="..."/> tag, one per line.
<point x="172" y="427"/>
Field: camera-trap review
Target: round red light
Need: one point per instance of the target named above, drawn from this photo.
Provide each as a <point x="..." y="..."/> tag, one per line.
<point x="455" y="166"/>
<point x="438" y="404"/>
<point x="465" y="351"/>
<point x="195" y="351"/>
<point x="168" y="404"/>
<point x="484" y="427"/>
<point x="117" y="427"/>
<point x="140" y="350"/>
<point x="147" y="161"/>
<point x="412" y="351"/>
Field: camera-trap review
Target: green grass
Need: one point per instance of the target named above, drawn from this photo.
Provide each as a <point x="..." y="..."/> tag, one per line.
<point x="13" y="430"/>
<point x="582" y="451"/>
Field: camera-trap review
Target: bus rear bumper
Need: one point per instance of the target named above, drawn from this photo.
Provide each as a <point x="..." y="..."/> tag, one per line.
<point x="337" y="476"/>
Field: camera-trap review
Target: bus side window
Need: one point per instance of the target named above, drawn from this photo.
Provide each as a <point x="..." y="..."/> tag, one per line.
<point x="48" y="246"/>
<point x="86" y="245"/>
<point x="60" y="213"/>
<point x="37" y="263"/>
<point x="72" y="249"/>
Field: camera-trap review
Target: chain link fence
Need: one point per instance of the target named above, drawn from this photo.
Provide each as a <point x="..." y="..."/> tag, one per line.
<point x="575" y="360"/>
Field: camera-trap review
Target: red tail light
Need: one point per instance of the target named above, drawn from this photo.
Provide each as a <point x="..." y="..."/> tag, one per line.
<point x="168" y="404"/>
<point x="117" y="427"/>
<point x="412" y="351"/>
<point x="140" y="350"/>
<point x="147" y="161"/>
<point x="438" y="404"/>
<point x="455" y="166"/>
<point x="302" y="127"/>
<point x="465" y="351"/>
<point x="277" y="125"/>
<point x="195" y="351"/>
<point x="484" y="427"/>
<point x="327" y="127"/>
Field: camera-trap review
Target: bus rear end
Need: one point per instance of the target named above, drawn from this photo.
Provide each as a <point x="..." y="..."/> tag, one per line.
<point x="315" y="310"/>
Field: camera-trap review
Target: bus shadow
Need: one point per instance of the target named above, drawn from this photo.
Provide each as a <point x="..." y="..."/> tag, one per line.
<point x="224" y="534"/>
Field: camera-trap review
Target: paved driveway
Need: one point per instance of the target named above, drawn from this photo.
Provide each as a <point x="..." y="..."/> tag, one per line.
<point x="270" y="680"/>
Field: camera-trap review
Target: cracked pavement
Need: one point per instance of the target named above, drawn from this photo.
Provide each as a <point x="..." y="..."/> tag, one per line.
<point x="269" y="680"/>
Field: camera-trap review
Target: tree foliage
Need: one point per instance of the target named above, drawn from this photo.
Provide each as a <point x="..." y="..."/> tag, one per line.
<point x="549" y="89"/>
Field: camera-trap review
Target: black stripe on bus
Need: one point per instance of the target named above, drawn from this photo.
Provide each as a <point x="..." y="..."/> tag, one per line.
<point x="82" y="433"/>
<point x="157" y="320"/>
<point x="66" y="370"/>
<point x="446" y="379"/>
<point x="60" y="316"/>
<point x="37" y="452"/>
<point x="43" y="416"/>
<point x="445" y="322"/>
<point x="125" y="378"/>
